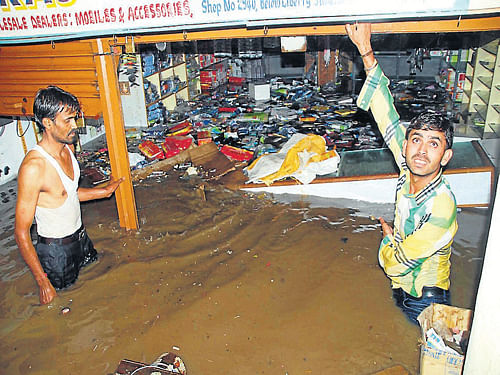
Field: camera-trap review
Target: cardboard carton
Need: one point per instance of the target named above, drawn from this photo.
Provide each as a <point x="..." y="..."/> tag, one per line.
<point x="434" y="361"/>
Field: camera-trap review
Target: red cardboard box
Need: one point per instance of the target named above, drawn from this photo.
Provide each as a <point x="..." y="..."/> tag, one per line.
<point x="236" y="153"/>
<point x="175" y="144"/>
<point x="151" y="150"/>
<point x="204" y="136"/>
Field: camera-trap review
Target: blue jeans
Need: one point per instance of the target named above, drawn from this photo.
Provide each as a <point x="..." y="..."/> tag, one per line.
<point x="413" y="306"/>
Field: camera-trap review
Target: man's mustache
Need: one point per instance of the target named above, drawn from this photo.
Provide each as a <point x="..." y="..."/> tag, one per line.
<point x="421" y="158"/>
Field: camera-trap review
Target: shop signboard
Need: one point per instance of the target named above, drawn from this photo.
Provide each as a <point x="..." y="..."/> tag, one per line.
<point x="28" y="21"/>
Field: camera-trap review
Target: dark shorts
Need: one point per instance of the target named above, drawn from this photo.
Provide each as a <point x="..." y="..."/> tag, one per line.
<point x="62" y="258"/>
<point x="413" y="306"/>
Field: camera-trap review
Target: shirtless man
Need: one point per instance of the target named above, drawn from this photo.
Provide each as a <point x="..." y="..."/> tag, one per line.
<point x="48" y="191"/>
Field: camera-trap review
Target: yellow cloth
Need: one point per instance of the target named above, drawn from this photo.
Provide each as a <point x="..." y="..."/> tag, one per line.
<point x="314" y="145"/>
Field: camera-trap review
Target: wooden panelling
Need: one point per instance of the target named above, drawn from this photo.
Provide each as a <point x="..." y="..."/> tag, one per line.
<point x="69" y="65"/>
<point x="50" y="62"/>
<point x="49" y="49"/>
<point x="70" y="74"/>
<point x="19" y="88"/>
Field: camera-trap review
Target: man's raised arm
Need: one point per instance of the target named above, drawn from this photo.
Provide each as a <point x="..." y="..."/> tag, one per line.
<point x="375" y="94"/>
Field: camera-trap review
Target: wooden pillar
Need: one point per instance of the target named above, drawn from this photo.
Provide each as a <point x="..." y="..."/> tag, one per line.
<point x="115" y="133"/>
<point x="326" y="72"/>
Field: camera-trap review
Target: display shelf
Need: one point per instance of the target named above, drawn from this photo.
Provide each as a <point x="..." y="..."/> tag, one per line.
<point x="468" y="93"/>
<point x="486" y="81"/>
<point x="469" y="131"/>
<point x="488" y="65"/>
<point x="453" y="74"/>
<point x="491" y="49"/>
<point x="495" y="129"/>
<point x="467" y="88"/>
<point x="482" y="89"/>
<point x="193" y="76"/>
<point x="164" y="69"/>
<point x="213" y="73"/>
<point x="170" y="77"/>
<point x="482" y="95"/>
<point x="481" y="110"/>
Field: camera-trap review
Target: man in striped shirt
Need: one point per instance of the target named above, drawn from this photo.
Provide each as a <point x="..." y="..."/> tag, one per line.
<point x="415" y="254"/>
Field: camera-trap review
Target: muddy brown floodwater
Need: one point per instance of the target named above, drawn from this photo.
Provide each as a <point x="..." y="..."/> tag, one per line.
<point x="233" y="283"/>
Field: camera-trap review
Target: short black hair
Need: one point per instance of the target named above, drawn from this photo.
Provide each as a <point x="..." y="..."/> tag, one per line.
<point x="430" y="120"/>
<point x="50" y="101"/>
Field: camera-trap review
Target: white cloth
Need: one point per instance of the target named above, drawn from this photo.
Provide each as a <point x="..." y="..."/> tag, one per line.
<point x="134" y="158"/>
<point x="66" y="219"/>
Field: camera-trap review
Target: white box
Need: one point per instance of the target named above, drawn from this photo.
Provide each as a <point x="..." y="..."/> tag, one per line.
<point x="259" y="91"/>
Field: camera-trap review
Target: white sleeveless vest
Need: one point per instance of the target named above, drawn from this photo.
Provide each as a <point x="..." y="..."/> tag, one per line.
<point x="66" y="219"/>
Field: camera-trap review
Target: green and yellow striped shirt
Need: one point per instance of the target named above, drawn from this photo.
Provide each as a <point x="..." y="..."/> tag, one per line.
<point x="418" y="253"/>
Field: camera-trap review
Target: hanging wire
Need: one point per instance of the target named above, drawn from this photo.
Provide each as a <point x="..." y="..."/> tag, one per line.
<point x="24" y="132"/>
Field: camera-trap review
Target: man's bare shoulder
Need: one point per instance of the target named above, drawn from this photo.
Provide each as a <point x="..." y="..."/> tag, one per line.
<point x="33" y="166"/>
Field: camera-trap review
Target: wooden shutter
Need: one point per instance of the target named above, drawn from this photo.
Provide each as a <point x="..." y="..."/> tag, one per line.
<point x="27" y="68"/>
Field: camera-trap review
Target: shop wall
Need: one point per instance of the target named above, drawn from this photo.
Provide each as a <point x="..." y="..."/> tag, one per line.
<point x="132" y="95"/>
<point x="397" y="67"/>
<point x="273" y="68"/>
<point x="94" y="129"/>
<point x="133" y="105"/>
<point x="12" y="148"/>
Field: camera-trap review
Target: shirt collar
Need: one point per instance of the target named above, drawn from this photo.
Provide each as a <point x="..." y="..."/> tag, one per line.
<point x="423" y="194"/>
